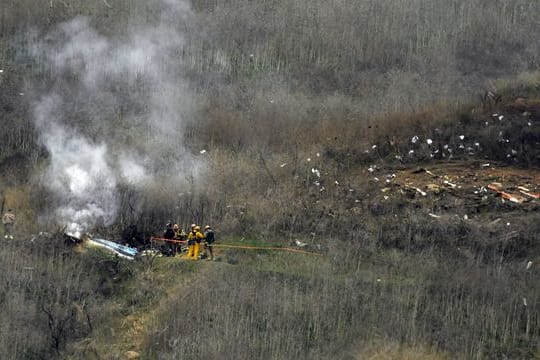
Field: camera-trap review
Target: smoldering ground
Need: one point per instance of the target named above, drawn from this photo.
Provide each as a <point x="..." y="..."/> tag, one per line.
<point x="113" y="113"/>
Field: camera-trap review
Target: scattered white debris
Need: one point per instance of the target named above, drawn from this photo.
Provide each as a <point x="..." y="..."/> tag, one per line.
<point x="316" y="172"/>
<point x="151" y="252"/>
<point x="414" y="139"/>
<point x="351" y="190"/>
<point x="336" y="182"/>
<point x="22" y="94"/>
<point x="308" y="159"/>
<point x="514" y="152"/>
<point x="202" y="151"/>
<point x="411" y="152"/>
<point x="486" y="123"/>
<point x="299" y="243"/>
<point x="374" y="147"/>
<point x="477" y="144"/>
<point x="379" y="280"/>
<point x="423" y="193"/>
<point x="507" y="224"/>
<point x="322" y="188"/>
<point x="529" y="265"/>
<point x="446" y="182"/>
<point x="316" y="183"/>
<point x="318" y="155"/>
<point x="398" y="157"/>
<point x="283" y="165"/>
<point x="376" y="178"/>
<point x="465" y="217"/>
<point x="501" y="117"/>
<point x="385" y="197"/>
<point x="372" y="168"/>
<point x="524" y="302"/>
<point x="357" y="201"/>
<point x="434" y="215"/>
<point x="429" y="141"/>
<point x="529" y="123"/>
<point x="1" y="71"/>
<point x="445" y="146"/>
<point x="462" y="137"/>
<point x="495" y="115"/>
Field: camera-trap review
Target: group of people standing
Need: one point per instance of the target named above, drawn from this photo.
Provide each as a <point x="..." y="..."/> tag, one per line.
<point x="194" y="239"/>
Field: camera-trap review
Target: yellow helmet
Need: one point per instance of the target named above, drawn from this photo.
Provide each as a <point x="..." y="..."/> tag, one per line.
<point x="197" y="228"/>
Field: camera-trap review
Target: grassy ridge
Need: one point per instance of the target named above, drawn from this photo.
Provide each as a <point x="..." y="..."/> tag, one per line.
<point x="274" y="306"/>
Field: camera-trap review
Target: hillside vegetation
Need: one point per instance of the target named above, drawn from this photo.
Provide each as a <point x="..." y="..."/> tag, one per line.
<point x="368" y="132"/>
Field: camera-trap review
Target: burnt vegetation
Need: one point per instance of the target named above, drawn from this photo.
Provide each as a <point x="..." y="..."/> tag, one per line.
<point x="318" y="120"/>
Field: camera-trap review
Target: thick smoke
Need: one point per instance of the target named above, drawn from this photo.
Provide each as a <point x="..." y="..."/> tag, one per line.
<point x="114" y="112"/>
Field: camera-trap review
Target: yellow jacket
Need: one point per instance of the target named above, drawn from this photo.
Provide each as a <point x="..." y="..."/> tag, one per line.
<point x="196" y="235"/>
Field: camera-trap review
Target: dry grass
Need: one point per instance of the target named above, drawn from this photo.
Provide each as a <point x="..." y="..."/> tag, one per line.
<point x="386" y="350"/>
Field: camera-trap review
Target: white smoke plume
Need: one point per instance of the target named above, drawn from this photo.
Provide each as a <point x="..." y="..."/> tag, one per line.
<point x="114" y="112"/>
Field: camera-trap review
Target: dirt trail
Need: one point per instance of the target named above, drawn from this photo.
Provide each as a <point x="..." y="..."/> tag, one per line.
<point x="135" y="326"/>
<point x="129" y="332"/>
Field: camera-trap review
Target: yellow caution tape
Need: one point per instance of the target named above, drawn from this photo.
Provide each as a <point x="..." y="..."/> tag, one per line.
<point x="267" y="248"/>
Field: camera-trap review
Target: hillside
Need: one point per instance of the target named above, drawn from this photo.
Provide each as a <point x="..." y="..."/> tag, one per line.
<point x="396" y="147"/>
<point x="403" y="250"/>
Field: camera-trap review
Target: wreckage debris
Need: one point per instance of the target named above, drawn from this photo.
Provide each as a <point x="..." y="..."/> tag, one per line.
<point x="120" y="250"/>
<point x="497" y="188"/>
<point x="527" y="192"/>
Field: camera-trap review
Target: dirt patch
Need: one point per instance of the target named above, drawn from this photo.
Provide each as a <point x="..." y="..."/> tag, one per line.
<point x="459" y="188"/>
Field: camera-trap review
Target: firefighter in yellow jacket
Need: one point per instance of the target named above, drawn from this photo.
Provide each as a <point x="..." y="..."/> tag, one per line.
<point x="199" y="236"/>
<point x="194" y="242"/>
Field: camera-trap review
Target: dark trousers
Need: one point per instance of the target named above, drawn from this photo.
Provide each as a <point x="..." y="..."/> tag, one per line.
<point x="8" y="229"/>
